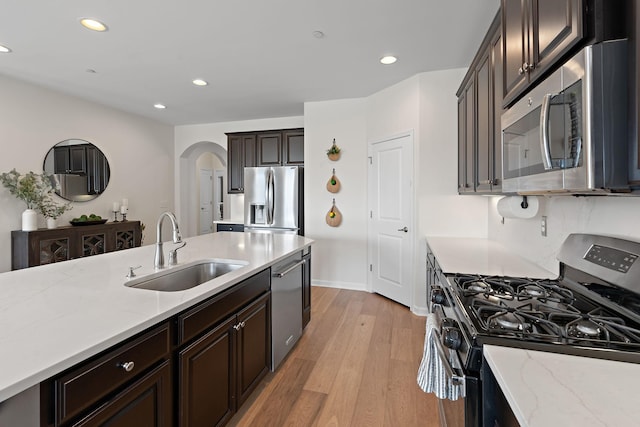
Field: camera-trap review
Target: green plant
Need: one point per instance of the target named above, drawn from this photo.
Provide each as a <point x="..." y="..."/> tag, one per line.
<point x="30" y="188"/>
<point x="334" y="148"/>
<point x="36" y="190"/>
<point x="50" y="209"/>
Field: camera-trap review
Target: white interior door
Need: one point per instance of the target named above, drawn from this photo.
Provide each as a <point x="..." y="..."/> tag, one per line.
<point x="206" y="201"/>
<point x="390" y="218"/>
<point x="218" y="194"/>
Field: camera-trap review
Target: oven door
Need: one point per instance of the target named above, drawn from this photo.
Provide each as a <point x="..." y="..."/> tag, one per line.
<point x="464" y="411"/>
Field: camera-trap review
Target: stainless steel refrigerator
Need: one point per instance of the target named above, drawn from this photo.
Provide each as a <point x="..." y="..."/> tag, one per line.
<point x="273" y="199"/>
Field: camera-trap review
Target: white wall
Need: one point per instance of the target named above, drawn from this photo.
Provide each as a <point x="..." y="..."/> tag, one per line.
<point x="610" y="215"/>
<point x="425" y="104"/>
<point x="440" y="210"/>
<point x="340" y="253"/>
<point x="139" y="151"/>
<point x="189" y="135"/>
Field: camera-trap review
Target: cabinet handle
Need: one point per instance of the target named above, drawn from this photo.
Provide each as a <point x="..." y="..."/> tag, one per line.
<point x="127" y="366"/>
<point x="526" y="67"/>
<point x="239" y="326"/>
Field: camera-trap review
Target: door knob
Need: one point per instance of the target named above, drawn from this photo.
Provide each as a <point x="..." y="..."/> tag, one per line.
<point x="405" y="229"/>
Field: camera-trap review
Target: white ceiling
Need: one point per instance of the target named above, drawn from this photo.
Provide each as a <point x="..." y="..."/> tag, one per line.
<point x="259" y="56"/>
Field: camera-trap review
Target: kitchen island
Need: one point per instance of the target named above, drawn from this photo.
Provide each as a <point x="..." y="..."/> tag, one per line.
<point x="58" y="315"/>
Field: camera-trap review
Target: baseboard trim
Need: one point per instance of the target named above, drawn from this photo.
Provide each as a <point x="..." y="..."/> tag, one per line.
<point x="341" y="285"/>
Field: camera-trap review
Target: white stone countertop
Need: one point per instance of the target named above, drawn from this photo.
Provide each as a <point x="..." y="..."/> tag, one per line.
<point x="483" y="256"/>
<point x="54" y="316"/>
<point x="548" y="389"/>
<point x="228" y="221"/>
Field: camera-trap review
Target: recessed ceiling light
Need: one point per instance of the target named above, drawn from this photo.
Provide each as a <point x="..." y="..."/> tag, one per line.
<point x="200" y="82"/>
<point x="159" y="106"/>
<point x="318" y="34"/>
<point x="386" y="60"/>
<point x="4" y="49"/>
<point x="93" y="24"/>
<point x="91" y="71"/>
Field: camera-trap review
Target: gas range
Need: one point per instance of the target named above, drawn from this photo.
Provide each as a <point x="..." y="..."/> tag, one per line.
<point x="592" y="309"/>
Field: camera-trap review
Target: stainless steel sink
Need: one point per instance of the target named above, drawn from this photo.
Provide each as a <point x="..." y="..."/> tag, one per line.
<point x="187" y="276"/>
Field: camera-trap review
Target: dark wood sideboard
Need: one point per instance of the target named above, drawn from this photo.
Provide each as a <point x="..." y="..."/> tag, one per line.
<point x="45" y="246"/>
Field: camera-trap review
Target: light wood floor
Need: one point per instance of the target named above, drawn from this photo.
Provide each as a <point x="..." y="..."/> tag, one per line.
<point x="355" y="365"/>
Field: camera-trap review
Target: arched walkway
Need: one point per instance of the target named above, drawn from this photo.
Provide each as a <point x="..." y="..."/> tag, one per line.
<point x="188" y="199"/>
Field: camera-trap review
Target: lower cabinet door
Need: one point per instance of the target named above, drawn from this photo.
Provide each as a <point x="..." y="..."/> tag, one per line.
<point x="147" y="402"/>
<point x="254" y="345"/>
<point x="207" y="380"/>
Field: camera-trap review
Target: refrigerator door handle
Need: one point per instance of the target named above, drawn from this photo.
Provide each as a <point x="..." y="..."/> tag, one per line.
<point x="269" y="197"/>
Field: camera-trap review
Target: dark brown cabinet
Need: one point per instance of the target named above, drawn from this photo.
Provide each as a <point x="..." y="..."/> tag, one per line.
<point x="261" y="148"/>
<point x="205" y="378"/>
<point x="147" y="402"/>
<point x="479" y="112"/>
<point x="229" y="227"/>
<point x="130" y="383"/>
<point x="466" y="137"/>
<point x="219" y="370"/>
<point x="269" y="146"/>
<point x="253" y="346"/>
<point x="293" y="147"/>
<point x="536" y="33"/>
<point x="241" y="153"/>
<point x="46" y="246"/>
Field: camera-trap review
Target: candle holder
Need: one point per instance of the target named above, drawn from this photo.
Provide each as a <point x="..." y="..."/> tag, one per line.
<point x="115" y="216"/>
<point x="124" y="216"/>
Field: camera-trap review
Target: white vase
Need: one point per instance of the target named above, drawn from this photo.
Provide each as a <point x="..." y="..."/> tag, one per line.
<point x="52" y="223"/>
<point x="29" y="220"/>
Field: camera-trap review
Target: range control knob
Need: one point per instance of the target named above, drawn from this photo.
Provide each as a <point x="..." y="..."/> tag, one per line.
<point x="451" y="337"/>
<point x="437" y="296"/>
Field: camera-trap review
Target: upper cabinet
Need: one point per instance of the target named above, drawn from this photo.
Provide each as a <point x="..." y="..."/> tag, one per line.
<point x="535" y="34"/>
<point x="283" y="147"/>
<point x="241" y="153"/>
<point x="269" y="149"/>
<point x="538" y="34"/>
<point x="479" y="112"/>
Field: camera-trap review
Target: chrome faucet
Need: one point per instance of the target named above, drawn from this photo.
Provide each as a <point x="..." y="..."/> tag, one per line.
<point x="158" y="261"/>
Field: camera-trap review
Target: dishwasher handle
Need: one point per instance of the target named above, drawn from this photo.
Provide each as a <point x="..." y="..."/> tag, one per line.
<point x="289" y="269"/>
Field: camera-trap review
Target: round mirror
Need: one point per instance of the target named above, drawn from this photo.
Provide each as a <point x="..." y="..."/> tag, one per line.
<point x="80" y="170"/>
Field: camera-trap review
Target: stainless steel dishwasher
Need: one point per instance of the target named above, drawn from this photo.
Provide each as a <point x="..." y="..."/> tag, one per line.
<point x="286" y="307"/>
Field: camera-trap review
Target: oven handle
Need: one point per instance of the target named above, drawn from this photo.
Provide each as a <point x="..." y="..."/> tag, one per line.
<point x="544" y="131"/>
<point x="456" y="378"/>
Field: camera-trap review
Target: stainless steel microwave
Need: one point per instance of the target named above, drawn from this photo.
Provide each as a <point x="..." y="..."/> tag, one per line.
<point x="569" y="133"/>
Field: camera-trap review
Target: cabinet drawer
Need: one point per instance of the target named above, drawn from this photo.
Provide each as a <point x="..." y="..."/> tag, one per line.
<point x="229" y="227"/>
<point x="87" y="384"/>
<point x="210" y="312"/>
